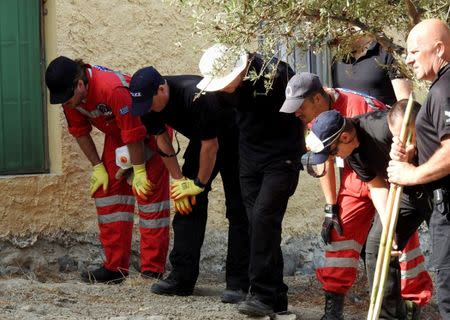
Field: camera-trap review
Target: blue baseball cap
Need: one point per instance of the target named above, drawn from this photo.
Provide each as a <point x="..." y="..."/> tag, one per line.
<point x="326" y="129"/>
<point x="143" y="86"/>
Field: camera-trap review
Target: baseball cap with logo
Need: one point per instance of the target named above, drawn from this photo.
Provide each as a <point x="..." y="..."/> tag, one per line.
<point x="298" y="88"/>
<point x="325" y="131"/>
<point x="220" y="65"/>
<point x="59" y="78"/>
<point x="143" y="86"/>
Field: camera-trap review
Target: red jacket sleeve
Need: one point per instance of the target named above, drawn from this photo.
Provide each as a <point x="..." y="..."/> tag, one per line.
<point x="78" y="124"/>
<point x="131" y="127"/>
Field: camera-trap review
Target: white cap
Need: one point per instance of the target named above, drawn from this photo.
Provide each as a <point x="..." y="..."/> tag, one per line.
<point x="219" y="66"/>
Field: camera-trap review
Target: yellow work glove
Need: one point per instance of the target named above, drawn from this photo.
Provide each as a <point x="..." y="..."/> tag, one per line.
<point x="183" y="205"/>
<point x="99" y="178"/>
<point x="184" y="187"/>
<point x="142" y="186"/>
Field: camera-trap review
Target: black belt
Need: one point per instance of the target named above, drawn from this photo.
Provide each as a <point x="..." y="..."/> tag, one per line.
<point x="416" y="191"/>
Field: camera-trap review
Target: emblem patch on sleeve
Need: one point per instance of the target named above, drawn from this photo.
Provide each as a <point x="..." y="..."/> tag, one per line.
<point x="124" y="110"/>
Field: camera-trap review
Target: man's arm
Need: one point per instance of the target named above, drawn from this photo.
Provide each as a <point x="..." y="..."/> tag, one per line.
<point x="435" y="168"/>
<point x="136" y="150"/>
<point x="208" y="153"/>
<point x="379" y="192"/>
<point x="328" y="183"/>
<point x="402" y="88"/>
<point x="171" y="162"/>
<point x="88" y="147"/>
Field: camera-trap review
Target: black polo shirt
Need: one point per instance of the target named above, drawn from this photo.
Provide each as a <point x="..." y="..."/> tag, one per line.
<point x="370" y="74"/>
<point x="371" y="158"/>
<point x="265" y="133"/>
<point x="433" y="122"/>
<point x="203" y="118"/>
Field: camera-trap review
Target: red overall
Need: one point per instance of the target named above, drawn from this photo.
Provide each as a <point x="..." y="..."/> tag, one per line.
<point x="357" y="211"/>
<point x="107" y="108"/>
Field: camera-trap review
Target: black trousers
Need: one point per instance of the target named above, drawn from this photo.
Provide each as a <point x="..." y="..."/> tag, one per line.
<point x="189" y="230"/>
<point x="266" y="188"/>
<point x="414" y="209"/>
<point x="440" y="240"/>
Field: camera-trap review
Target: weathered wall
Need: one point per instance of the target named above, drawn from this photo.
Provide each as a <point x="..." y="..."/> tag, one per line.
<point x="124" y="35"/>
<point x="120" y="34"/>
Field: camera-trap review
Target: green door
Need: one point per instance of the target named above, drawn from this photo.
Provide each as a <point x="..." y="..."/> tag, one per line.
<point x="22" y="114"/>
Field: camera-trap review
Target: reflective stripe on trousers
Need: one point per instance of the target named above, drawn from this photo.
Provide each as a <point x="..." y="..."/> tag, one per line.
<point x="416" y="283"/>
<point x="154" y="208"/>
<point x="341" y="261"/>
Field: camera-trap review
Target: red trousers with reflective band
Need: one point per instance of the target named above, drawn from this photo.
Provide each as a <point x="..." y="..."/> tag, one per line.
<point x="338" y="271"/>
<point x="115" y="212"/>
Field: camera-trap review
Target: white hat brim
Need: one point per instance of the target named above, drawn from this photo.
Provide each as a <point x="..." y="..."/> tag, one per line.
<point x="210" y="83"/>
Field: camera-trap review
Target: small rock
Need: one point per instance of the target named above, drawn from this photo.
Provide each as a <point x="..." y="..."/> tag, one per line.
<point x="288" y="316"/>
<point x="28" y="308"/>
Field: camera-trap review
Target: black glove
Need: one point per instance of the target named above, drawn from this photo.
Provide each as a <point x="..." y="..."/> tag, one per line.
<point x="331" y="220"/>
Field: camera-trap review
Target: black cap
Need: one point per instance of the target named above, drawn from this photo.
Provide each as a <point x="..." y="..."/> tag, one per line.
<point x="143" y="86"/>
<point x="59" y="78"/>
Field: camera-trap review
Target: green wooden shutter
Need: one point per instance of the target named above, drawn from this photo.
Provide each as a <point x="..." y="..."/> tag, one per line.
<point x="22" y="114"/>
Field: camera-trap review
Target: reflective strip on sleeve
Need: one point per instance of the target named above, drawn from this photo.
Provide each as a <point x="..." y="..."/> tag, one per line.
<point x="115" y="217"/>
<point x="344" y="245"/>
<point x="412" y="273"/>
<point x="155" y="207"/>
<point x="154" y="224"/>
<point x="341" y="262"/>
<point x="114" y="200"/>
<point x="410" y="255"/>
<point x="122" y="79"/>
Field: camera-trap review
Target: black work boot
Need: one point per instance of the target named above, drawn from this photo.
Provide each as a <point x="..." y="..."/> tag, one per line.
<point x="334" y="306"/>
<point x="103" y="275"/>
<point x="233" y="295"/>
<point x="171" y="287"/>
<point x="254" y="307"/>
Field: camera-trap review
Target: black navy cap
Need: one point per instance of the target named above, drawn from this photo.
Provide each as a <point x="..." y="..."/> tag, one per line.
<point x="59" y="78"/>
<point x="143" y="86"/>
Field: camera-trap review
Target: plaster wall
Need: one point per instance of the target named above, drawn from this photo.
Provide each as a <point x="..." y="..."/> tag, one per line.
<point x="123" y="35"/>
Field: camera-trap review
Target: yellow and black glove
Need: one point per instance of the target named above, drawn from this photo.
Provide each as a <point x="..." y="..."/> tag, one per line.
<point x="183" y="205"/>
<point x="99" y="178"/>
<point x="142" y="186"/>
<point x="185" y="187"/>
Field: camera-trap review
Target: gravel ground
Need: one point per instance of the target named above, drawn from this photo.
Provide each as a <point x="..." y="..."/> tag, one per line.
<point x="68" y="298"/>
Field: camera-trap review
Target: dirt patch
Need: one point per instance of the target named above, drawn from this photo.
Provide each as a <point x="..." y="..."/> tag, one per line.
<point x="64" y="297"/>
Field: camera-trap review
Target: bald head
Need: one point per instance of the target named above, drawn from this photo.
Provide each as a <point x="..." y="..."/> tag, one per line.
<point x="428" y="48"/>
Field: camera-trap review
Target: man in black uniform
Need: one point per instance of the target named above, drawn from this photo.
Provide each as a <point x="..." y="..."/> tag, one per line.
<point x="171" y="100"/>
<point x="270" y="144"/>
<point x="370" y="69"/>
<point x="364" y="142"/>
<point x="429" y="54"/>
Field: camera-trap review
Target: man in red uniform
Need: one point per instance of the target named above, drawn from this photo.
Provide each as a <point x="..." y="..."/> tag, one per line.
<point x="99" y="97"/>
<point x="349" y="214"/>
